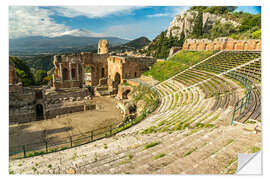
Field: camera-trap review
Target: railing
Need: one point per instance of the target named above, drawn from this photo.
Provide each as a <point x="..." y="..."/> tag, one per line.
<point x="242" y="104"/>
<point x="48" y="146"/>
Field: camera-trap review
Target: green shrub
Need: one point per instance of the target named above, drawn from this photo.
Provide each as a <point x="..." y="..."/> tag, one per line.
<point x="256" y="34"/>
<point x="152" y="144"/>
<point x="160" y="156"/>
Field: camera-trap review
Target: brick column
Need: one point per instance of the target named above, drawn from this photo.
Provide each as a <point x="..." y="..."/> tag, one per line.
<point x="70" y="71"/>
<point x="61" y="72"/>
<point x="83" y="73"/>
<point x="77" y="72"/>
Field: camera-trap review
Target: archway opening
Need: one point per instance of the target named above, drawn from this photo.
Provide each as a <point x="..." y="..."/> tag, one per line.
<point x="102" y="72"/>
<point x="39" y="112"/>
<point x="135" y="74"/>
<point x="116" y="82"/>
<point x="234" y="46"/>
<point x="257" y="45"/>
<point x="65" y="74"/>
<point x="246" y="46"/>
<point x="73" y="73"/>
<point x="125" y="93"/>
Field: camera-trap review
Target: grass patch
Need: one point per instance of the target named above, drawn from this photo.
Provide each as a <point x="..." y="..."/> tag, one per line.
<point x="165" y="69"/>
<point x="160" y="156"/>
<point x="255" y="149"/>
<point x="229" y="141"/>
<point x="130" y="156"/>
<point x="189" y="152"/>
<point x="152" y="144"/>
<point x="149" y="130"/>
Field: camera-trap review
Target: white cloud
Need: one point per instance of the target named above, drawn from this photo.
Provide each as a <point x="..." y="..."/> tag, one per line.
<point x="158" y="15"/>
<point x="93" y="11"/>
<point x="32" y="21"/>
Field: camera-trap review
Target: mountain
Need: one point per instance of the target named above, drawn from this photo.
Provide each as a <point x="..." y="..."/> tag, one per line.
<point x="67" y="42"/>
<point x="132" y="45"/>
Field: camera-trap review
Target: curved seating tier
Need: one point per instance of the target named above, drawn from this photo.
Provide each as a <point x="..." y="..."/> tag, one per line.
<point x="187" y="134"/>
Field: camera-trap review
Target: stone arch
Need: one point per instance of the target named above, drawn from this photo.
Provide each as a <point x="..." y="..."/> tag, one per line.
<point x="73" y="73"/>
<point x="215" y="46"/>
<point x="234" y="46"/>
<point x="125" y="93"/>
<point x="197" y="47"/>
<point x="245" y="46"/>
<point x="205" y="47"/>
<point x="65" y="74"/>
<point x="117" y="81"/>
<point x="39" y="112"/>
<point x="257" y="45"/>
<point x="102" y="72"/>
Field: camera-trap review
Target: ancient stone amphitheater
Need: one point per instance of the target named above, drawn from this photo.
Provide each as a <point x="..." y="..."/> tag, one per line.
<point x="191" y="132"/>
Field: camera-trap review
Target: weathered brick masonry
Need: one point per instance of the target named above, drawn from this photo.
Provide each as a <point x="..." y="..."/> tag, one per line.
<point x="222" y="44"/>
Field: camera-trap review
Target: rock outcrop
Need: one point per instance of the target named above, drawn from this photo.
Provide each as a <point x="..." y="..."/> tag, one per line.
<point x="185" y="22"/>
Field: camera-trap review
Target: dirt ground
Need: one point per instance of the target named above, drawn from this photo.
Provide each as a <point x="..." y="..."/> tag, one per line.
<point x="70" y="124"/>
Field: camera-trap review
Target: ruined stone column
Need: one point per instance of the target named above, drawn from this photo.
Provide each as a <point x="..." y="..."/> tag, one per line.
<point x="70" y="71"/>
<point x="61" y="72"/>
<point x="83" y="73"/>
<point x="77" y="72"/>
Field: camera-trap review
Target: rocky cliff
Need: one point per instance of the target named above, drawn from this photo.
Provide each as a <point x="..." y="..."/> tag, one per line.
<point x="185" y="22"/>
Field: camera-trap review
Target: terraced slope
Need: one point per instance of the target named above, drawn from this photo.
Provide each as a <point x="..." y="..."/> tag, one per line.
<point x="189" y="133"/>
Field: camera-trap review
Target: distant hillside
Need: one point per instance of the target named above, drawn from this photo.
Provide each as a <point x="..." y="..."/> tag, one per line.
<point x="60" y="44"/>
<point x="42" y="61"/>
<point x="132" y="45"/>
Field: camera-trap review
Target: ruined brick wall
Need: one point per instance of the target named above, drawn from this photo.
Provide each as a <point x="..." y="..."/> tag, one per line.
<point x="128" y="67"/>
<point x="69" y="69"/>
<point x="225" y="43"/>
<point x="23" y="105"/>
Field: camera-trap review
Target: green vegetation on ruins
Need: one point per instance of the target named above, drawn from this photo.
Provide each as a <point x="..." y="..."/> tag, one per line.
<point x="163" y="70"/>
<point x="23" y="71"/>
<point x="161" y="45"/>
<point x="27" y="76"/>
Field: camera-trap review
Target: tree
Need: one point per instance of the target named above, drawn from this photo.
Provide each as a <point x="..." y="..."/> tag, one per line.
<point x="198" y="25"/>
<point x="182" y="39"/>
<point x="256" y="34"/>
<point x="39" y="75"/>
<point x="23" y="71"/>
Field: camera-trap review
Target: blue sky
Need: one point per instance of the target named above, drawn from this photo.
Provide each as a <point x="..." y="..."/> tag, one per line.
<point x="127" y="22"/>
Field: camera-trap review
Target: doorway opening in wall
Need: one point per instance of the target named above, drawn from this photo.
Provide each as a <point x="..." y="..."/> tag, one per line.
<point x="102" y="72"/>
<point x="39" y="112"/>
<point x="65" y="74"/>
<point x="89" y="70"/>
<point x="125" y="93"/>
<point x="73" y="74"/>
<point x="116" y="82"/>
<point x="135" y="74"/>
